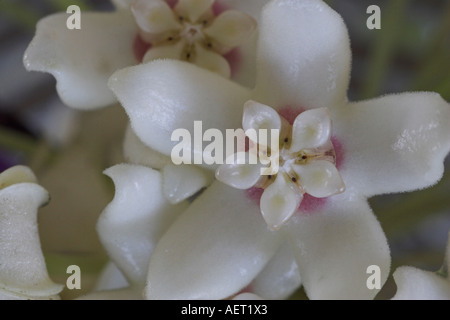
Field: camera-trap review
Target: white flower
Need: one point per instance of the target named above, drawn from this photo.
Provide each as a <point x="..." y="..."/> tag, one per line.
<point x="394" y="143"/>
<point x="133" y="223"/>
<point x="217" y="35"/>
<point x="416" y="284"/>
<point x="23" y="273"/>
<point x="307" y="159"/>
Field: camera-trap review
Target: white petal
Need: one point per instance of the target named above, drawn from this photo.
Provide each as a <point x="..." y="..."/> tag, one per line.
<point x="394" y="143"/>
<point x="280" y="201"/>
<point x="243" y="58"/>
<point x="23" y="270"/>
<point x="16" y="174"/>
<point x="193" y="9"/>
<point x="110" y="278"/>
<point x="252" y="8"/>
<point x="280" y="278"/>
<point x="415" y="284"/>
<point x="247" y="296"/>
<point x="173" y="51"/>
<point x="162" y="96"/>
<point x="118" y="294"/>
<point x="311" y="129"/>
<point x="303" y="55"/>
<point x="183" y="181"/>
<point x="137" y="152"/>
<point x="231" y="28"/>
<point x="258" y="116"/>
<point x="320" y="178"/>
<point x="136" y="218"/>
<point x="240" y="174"/>
<point x="83" y="60"/>
<point x="154" y="16"/>
<point x="213" y="250"/>
<point x="334" y="247"/>
<point x="212" y="61"/>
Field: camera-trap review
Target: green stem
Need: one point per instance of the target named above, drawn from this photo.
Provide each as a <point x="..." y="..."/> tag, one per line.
<point x="383" y="48"/>
<point x="16" y="141"/>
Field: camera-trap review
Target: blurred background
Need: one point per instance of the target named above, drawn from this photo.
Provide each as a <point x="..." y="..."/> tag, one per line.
<point x="68" y="152"/>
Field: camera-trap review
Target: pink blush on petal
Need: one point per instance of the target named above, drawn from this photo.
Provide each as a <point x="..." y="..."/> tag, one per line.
<point x="172" y="3"/>
<point x="140" y="48"/>
<point x="234" y="58"/>
<point x="308" y="205"/>
<point x="290" y="113"/>
<point x="254" y="194"/>
<point x="339" y="150"/>
<point x="219" y="8"/>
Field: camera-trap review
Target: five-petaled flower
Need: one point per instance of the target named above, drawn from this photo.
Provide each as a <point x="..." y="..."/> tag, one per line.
<point x="394" y="143"/>
<point x="219" y="35"/>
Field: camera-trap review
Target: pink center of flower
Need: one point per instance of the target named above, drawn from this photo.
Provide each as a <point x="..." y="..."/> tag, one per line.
<point x="309" y="203"/>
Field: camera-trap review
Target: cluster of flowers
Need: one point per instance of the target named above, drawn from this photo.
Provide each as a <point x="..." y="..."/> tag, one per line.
<point x="209" y="232"/>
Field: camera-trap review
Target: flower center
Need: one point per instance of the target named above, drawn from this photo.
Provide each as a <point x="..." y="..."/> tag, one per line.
<point x="288" y="159"/>
<point x="303" y="162"/>
<point x="193" y="31"/>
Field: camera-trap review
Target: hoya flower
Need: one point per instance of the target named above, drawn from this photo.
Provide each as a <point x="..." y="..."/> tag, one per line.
<point x="23" y="273"/>
<point x="133" y="223"/>
<point x="394" y="143"/>
<point x="416" y="284"/>
<point x="218" y="35"/>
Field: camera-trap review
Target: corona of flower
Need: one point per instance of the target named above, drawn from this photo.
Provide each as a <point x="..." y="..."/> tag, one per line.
<point x="191" y="31"/>
<point x="306" y="156"/>
<point x="394" y="143"/>
<point x="218" y="35"/>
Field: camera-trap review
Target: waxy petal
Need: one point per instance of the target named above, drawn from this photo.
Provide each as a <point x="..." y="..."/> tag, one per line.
<point x="23" y="271"/>
<point x="15" y="175"/>
<point x="395" y="143"/>
<point x="136" y="152"/>
<point x="280" y="278"/>
<point x="83" y="60"/>
<point x="335" y="246"/>
<point x="241" y="174"/>
<point x="303" y="55"/>
<point x="320" y="178"/>
<point x="163" y="96"/>
<point x="212" y="61"/>
<point x="280" y="201"/>
<point x="193" y="9"/>
<point x="183" y="181"/>
<point x="154" y="16"/>
<point x="231" y="28"/>
<point x="173" y="51"/>
<point x="415" y="284"/>
<point x="213" y="250"/>
<point x="311" y="129"/>
<point x="258" y="116"/>
<point x="136" y="218"/>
